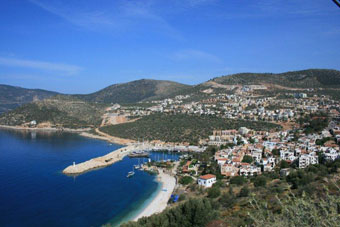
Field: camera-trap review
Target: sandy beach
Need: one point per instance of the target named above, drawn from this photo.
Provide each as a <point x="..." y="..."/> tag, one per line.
<point x="159" y="203"/>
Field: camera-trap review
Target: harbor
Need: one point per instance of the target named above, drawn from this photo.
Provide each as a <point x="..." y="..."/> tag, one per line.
<point x="133" y="150"/>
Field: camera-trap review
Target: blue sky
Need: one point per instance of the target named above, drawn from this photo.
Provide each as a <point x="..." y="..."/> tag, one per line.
<point x="77" y="46"/>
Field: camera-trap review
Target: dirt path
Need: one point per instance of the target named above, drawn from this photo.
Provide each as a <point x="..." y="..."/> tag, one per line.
<point x="114" y="139"/>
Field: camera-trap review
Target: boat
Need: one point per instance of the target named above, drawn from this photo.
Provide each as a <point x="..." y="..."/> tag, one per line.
<point x="130" y="174"/>
<point x="138" y="166"/>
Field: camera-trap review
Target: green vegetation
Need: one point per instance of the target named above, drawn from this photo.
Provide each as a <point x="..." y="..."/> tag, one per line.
<point x="247" y="159"/>
<point x="214" y="192"/>
<point x="306" y="197"/>
<point x="135" y="91"/>
<point x="323" y="140"/>
<point x="238" y="180"/>
<point x="244" y="192"/>
<point x="13" y="97"/>
<point x="185" y="180"/>
<point x="311" y="78"/>
<point x="180" y="127"/>
<point x="260" y="181"/>
<point x="314" y="123"/>
<point x="60" y="111"/>
<point x="299" y="212"/>
<point x="194" y="212"/>
<point x="284" y="164"/>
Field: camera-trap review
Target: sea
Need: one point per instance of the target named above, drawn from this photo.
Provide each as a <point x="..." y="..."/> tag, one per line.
<point x="34" y="192"/>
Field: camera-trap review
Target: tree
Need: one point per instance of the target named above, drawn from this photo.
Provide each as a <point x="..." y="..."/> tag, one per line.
<point x="194" y="212"/>
<point x="276" y="152"/>
<point x="260" y="181"/>
<point x="244" y="192"/>
<point x="227" y="200"/>
<point x="284" y="164"/>
<point x="247" y="159"/>
<point x="214" y="192"/>
<point x="238" y="180"/>
<point x="185" y="180"/>
<point x="251" y="140"/>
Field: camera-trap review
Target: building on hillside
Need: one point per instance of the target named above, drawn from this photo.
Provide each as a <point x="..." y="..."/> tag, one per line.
<point x="308" y="159"/>
<point x="229" y="170"/>
<point x="207" y="180"/>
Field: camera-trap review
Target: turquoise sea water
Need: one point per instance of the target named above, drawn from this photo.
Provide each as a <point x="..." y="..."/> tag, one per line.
<point x="34" y="192"/>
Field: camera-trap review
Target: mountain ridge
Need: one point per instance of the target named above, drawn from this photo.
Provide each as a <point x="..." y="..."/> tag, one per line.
<point x="135" y="91"/>
<point x="15" y="96"/>
<point x="309" y="78"/>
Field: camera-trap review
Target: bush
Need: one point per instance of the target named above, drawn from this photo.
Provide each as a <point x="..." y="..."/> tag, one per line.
<point x="238" y="180"/>
<point x="260" y="181"/>
<point x="185" y="180"/>
<point x="247" y="159"/>
<point x="284" y="164"/>
<point x="227" y="200"/>
<point x="214" y="192"/>
<point x="181" y="197"/>
<point x="244" y="192"/>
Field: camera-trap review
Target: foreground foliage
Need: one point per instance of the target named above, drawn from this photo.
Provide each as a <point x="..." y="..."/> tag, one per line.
<point x="308" y="197"/>
<point x="194" y="212"/>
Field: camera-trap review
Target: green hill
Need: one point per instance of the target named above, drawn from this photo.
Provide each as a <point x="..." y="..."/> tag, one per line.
<point x="310" y="78"/>
<point x="135" y="91"/>
<point x="59" y="111"/>
<point x="12" y="97"/>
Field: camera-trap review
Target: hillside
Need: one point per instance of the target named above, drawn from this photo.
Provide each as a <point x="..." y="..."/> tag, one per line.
<point x="58" y="111"/>
<point x="307" y="197"/>
<point x="12" y="97"/>
<point x="311" y="78"/>
<point x="135" y="91"/>
<point x="180" y="127"/>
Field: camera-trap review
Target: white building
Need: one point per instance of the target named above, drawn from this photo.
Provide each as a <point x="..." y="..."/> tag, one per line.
<point x="331" y="154"/>
<point x="308" y="159"/>
<point x="207" y="180"/>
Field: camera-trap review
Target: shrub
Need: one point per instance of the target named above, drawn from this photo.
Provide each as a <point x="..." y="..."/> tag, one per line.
<point x="244" y="192"/>
<point x="238" y="180"/>
<point x="260" y="181"/>
<point x="181" y="197"/>
<point x="185" y="180"/>
<point x="247" y="159"/>
<point x="214" y="192"/>
<point x="284" y="164"/>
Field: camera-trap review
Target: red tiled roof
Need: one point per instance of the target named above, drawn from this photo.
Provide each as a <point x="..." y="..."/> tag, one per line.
<point x="207" y="176"/>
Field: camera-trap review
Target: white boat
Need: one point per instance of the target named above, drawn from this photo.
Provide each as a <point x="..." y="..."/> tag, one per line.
<point x="130" y="174"/>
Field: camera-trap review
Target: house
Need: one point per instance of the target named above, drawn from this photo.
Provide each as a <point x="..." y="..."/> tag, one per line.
<point x="308" y="159"/>
<point x="33" y="123"/>
<point x="207" y="180"/>
<point x="331" y="154"/>
<point x="249" y="170"/>
<point x="229" y="170"/>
